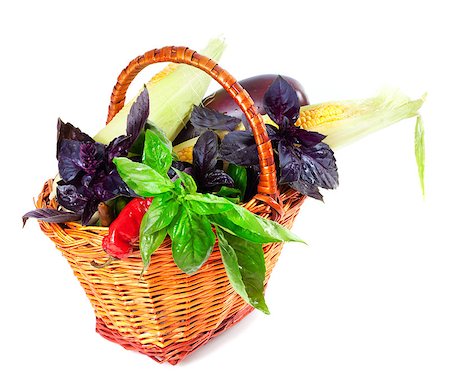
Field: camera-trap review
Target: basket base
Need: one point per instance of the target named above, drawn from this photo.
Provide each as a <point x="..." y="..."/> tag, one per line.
<point x="172" y="353"/>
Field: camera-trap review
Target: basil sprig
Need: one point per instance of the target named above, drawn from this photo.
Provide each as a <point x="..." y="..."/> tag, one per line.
<point x="188" y="218"/>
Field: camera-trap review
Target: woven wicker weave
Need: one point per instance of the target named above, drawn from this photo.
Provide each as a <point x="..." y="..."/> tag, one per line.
<point x="167" y="314"/>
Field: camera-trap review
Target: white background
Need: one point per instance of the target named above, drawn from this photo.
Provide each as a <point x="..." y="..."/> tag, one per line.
<point x="365" y="304"/>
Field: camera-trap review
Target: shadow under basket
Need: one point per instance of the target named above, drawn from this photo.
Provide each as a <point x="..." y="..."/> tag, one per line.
<point x="166" y="314"/>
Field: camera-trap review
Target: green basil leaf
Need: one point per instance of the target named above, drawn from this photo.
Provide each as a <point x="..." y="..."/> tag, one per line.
<point x="234" y="229"/>
<point x="156" y="154"/>
<point x="149" y="243"/>
<point x="142" y="179"/>
<point x="160" y="213"/>
<point x="187" y="180"/>
<point x="179" y="188"/>
<point x="231" y="194"/>
<point x="206" y="204"/>
<point x="246" y="225"/>
<point x="192" y="240"/>
<point x="150" y="126"/>
<point x="245" y="267"/>
<point x="138" y="146"/>
<point x="239" y="176"/>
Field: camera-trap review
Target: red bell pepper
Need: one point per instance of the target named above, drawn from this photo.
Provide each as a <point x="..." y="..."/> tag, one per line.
<point x="124" y="230"/>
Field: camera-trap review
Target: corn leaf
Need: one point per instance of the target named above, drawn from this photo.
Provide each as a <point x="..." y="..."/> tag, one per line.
<point x="419" y="145"/>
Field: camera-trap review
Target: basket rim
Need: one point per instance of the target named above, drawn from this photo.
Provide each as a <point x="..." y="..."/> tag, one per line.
<point x="253" y="205"/>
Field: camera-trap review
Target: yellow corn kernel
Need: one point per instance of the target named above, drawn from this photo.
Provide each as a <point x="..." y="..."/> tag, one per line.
<point x="186" y="154"/>
<point x="185" y="150"/>
<point x="169" y="69"/>
<point x="315" y="115"/>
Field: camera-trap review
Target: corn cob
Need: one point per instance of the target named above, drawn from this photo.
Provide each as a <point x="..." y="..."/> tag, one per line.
<point x="347" y="121"/>
<point x="321" y="114"/>
<point x="185" y="150"/>
<point x="172" y="93"/>
<point x="343" y="122"/>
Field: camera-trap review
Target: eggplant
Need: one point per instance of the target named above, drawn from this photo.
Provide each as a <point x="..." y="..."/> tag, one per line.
<point x="223" y="103"/>
<point x="256" y="87"/>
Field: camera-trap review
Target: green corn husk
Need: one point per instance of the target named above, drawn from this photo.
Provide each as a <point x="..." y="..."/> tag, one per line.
<point x="346" y="121"/>
<point x="171" y="98"/>
<point x="419" y="145"/>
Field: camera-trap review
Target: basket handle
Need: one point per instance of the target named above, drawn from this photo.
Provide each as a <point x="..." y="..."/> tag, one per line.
<point x="267" y="187"/>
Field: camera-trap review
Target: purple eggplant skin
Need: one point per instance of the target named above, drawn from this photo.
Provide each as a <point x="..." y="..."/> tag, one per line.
<point x="256" y="86"/>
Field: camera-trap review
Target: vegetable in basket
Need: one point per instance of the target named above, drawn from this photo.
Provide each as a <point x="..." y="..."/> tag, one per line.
<point x="172" y="202"/>
<point x="257" y="87"/>
<point x="188" y="217"/>
<point x="175" y="208"/>
<point x="124" y="231"/>
<point x="195" y="201"/>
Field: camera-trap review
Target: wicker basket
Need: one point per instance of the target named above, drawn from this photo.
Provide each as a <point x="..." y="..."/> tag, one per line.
<point x="167" y="314"/>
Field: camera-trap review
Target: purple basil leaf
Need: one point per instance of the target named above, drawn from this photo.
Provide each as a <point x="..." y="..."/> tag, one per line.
<point x="181" y="166"/>
<point x="217" y="178"/>
<point x="205" y="153"/>
<point x="304" y="137"/>
<point x="118" y="147"/>
<point x="138" y="115"/>
<point x="319" y="166"/>
<point x="78" y="156"/>
<point x="239" y="148"/>
<point x="205" y="118"/>
<point x="281" y="103"/>
<point x="306" y="189"/>
<point x="73" y="198"/>
<point x="290" y="162"/>
<point x="89" y="211"/>
<point x="67" y="167"/>
<point x="136" y="159"/>
<point x="188" y="132"/>
<point x="51" y="215"/>
<point x="85" y="180"/>
<point x="252" y="182"/>
<point x="315" y="166"/>
<point x="66" y="131"/>
<point x="91" y="156"/>
<point x="110" y="186"/>
<point x="79" y="199"/>
<point x="273" y="132"/>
